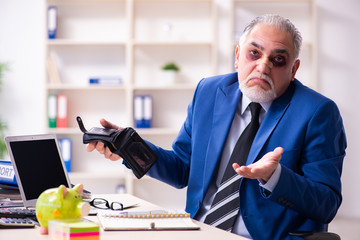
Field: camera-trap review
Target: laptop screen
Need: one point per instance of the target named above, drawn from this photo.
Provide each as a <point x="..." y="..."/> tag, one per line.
<point x="38" y="165"/>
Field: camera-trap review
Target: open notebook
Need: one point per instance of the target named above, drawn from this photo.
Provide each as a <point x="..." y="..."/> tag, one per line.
<point x="150" y="220"/>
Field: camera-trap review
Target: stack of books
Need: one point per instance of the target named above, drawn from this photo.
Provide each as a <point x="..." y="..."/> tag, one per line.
<point x="10" y="198"/>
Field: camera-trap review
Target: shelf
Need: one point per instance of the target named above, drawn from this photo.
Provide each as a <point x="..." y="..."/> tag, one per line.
<point x="99" y="175"/>
<point x="126" y="38"/>
<point x="83" y="1"/>
<point x="141" y="131"/>
<point x="108" y="176"/>
<point x="170" y="87"/>
<point x="123" y="38"/>
<point x="171" y="21"/>
<point x="90" y="22"/>
<point x="274" y="1"/>
<point x="172" y="43"/>
<point x="65" y="131"/>
<point x="157" y="131"/>
<point x="87" y="87"/>
<point x="206" y="1"/>
<point x="71" y="42"/>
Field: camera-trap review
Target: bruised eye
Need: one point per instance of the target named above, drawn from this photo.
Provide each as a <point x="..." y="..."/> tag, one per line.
<point x="253" y="55"/>
<point x="278" y="61"/>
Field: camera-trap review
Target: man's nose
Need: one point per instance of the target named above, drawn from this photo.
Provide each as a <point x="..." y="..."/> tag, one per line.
<point x="264" y="65"/>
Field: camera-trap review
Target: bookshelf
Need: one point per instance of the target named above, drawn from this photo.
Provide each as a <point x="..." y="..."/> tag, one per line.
<point x="123" y="38"/>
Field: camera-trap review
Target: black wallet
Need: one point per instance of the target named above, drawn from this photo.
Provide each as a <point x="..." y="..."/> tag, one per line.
<point x="126" y="143"/>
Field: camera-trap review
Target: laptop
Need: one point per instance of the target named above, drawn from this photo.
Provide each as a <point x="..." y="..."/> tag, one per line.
<point x="38" y="165"/>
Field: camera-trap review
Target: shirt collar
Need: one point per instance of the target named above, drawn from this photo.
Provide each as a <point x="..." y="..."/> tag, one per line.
<point x="245" y="101"/>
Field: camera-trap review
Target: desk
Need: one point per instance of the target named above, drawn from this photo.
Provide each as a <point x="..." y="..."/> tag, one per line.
<point x="206" y="232"/>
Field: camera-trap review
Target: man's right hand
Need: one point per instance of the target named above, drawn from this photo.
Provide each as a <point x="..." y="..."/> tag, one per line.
<point x="100" y="147"/>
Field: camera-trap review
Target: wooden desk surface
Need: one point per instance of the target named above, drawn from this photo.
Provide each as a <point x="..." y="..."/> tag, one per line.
<point x="206" y="232"/>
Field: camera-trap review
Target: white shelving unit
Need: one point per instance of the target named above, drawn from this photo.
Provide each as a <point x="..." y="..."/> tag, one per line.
<point x="133" y="39"/>
<point x="123" y="38"/>
<point x="301" y="12"/>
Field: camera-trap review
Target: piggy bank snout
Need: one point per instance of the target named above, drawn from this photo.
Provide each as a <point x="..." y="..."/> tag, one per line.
<point x="84" y="208"/>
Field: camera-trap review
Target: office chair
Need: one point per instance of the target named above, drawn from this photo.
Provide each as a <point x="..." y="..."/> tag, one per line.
<point x="307" y="235"/>
<point x="316" y="235"/>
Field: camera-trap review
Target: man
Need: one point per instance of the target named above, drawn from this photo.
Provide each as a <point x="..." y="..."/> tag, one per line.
<point x="291" y="181"/>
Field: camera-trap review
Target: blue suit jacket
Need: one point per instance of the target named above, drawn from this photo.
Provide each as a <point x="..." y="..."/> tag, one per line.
<point x="306" y="124"/>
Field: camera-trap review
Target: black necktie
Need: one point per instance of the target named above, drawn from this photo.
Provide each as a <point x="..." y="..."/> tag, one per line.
<point x="225" y="207"/>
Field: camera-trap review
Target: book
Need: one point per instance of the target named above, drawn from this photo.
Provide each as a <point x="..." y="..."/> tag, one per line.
<point x="7" y="173"/>
<point x="146" y="220"/>
<point x="52" y="110"/>
<point x="138" y="112"/>
<point x="143" y="111"/>
<point x="66" y="152"/>
<point x="52" y="22"/>
<point x="61" y="116"/>
<point x="74" y="229"/>
<point x="53" y="72"/>
<point x="105" y="80"/>
<point x="147" y="105"/>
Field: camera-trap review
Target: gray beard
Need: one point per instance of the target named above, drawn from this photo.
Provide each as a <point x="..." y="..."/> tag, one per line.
<point x="258" y="95"/>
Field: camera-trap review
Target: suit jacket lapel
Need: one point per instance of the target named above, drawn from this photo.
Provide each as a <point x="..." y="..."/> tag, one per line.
<point x="224" y="110"/>
<point x="271" y="120"/>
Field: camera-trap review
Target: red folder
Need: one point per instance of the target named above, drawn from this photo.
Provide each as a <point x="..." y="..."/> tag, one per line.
<point x="61" y="119"/>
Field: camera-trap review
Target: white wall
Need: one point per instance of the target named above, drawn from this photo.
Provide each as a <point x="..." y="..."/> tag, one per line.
<point x="339" y="38"/>
<point x="22" y="39"/>
<point x="22" y="100"/>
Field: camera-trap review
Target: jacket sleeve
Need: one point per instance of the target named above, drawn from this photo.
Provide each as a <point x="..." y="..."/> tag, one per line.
<point x="173" y="166"/>
<point x="314" y="188"/>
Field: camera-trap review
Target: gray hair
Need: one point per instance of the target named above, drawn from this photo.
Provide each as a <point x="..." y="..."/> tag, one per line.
<point x="279" y="22"/>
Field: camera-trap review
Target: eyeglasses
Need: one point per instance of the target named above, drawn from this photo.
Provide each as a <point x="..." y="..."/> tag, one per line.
<point x="102" y="203"/>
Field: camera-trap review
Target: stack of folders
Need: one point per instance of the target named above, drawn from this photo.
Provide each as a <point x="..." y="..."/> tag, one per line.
<point x="143" y="111"/>
<point x="149" y="220"/>
<point x="57" y="110"/>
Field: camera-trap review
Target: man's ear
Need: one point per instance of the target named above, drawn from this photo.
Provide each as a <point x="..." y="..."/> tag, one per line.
<point x="237" y="54"/>
<point x="294" y="69"/>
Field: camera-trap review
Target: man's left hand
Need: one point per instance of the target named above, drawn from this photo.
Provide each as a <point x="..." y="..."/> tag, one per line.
<point x="262" y="169"/>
